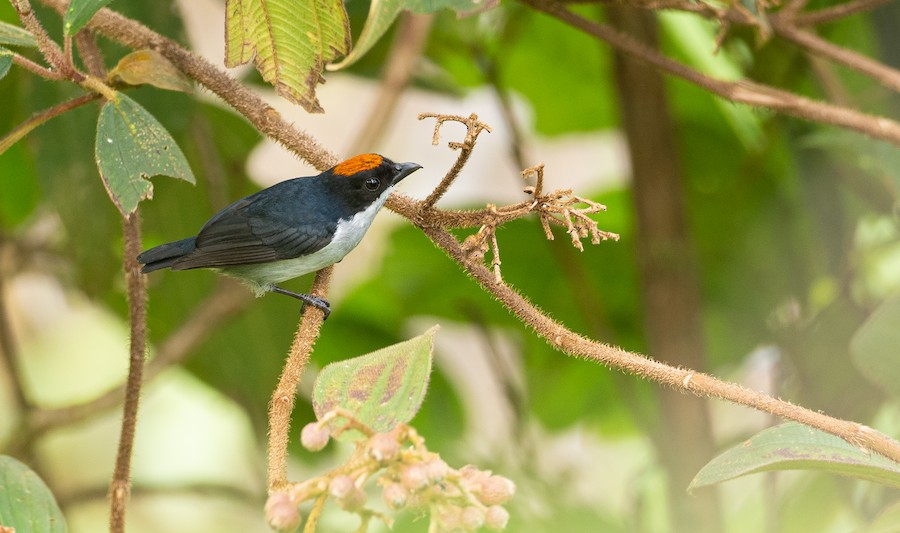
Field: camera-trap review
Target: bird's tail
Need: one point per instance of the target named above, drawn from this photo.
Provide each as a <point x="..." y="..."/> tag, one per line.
<point x="164" y="255"/>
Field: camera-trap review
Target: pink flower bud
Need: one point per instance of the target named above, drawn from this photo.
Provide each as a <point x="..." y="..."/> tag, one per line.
<point x="414" y="477"/>
<point x="496" y="490"/>
<point x="313" y="437"/>
<point x="436" y="470"/>
<point x="346" y="493"/>
<point x="394" y="496"/>
<point x="340" y="487"/>
<point x="282" y="513"/>
<point x="383" y="447"/>
<point x="496" y="518"/>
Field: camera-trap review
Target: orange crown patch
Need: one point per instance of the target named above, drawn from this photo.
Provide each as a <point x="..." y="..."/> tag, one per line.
<point x="358" y="163"/>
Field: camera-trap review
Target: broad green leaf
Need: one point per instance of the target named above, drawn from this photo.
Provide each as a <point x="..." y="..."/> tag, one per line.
<point x="6" y="61"/>
<point x="26" y="504"/>
<point x="15" y="36"/>
<point x="794" y="446"/>
<point x="382" y="14"/>
<point x="382" y="388"/>
<point x="291" y="41"/>
<point x="149" y="67"/>
<point x="875" y="347"/>
<point x="131" y="147"/>
<point x="80" y="13"/>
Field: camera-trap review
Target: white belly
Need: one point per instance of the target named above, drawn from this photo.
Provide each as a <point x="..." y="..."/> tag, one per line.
<point x="261" y="277"/>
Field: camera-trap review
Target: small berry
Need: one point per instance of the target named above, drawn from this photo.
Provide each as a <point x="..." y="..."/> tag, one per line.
<point x="394" y="496"/>
<point x="340" y="487"/>
<point x="313" y="437"/>
<point x="282" y="513"/>
<point x="496" y="518"/>
<point x="414" y="477"/>
<point x="346" y="493"/>
<point x="436" y="470"/>
<point x="496" y="490"/>
<point x="383" y="447"/>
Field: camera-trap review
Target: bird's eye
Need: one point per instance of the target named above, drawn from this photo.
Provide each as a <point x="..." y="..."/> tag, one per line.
<point x="372" y="183"/>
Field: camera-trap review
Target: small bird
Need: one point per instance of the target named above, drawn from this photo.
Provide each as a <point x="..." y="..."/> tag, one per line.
<point x="292" y="228"/>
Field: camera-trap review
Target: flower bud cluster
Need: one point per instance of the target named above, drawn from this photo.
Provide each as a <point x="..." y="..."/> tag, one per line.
<point x="410" y="478"/>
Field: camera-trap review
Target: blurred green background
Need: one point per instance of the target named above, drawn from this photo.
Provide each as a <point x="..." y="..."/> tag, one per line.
<point x="793" y="235"/>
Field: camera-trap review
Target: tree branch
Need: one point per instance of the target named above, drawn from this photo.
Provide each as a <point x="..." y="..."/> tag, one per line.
<point x="282" y="404"/>
<point x="836" y="12"/>
<point x="745" y="92"/>
<point x="883" y="74"/>
<point x="120" y="486"/>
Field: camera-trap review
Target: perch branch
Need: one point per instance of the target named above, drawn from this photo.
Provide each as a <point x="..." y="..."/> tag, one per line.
<point x="120" y="486"/>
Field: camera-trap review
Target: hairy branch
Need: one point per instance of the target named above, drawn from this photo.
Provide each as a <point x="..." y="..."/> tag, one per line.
<point x="282" y="404"/>
<point x="120" y="487"/>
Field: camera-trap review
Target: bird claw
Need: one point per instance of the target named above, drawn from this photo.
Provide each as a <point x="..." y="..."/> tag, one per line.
<point x="319" y="303"/>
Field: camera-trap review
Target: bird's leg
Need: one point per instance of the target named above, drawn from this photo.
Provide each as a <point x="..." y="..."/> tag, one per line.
<point x="306" y="299"/>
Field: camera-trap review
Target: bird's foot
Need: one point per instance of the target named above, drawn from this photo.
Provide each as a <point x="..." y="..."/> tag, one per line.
<point x="314" y="301"/>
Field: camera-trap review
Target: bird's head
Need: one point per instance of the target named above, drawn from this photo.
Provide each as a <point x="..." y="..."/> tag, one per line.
<point x="368" y="178"/>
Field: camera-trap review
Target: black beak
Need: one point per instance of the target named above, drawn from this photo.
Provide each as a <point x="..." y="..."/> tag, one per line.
<point x="405" y="169"/>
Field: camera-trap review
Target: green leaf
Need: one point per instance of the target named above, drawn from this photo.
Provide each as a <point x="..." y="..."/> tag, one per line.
<point x="382" y="14"/>
<point x="382" y="388"/>
<point x="80" y="13"/>
<point x="131" y="147"/>
<point x="6" y="61"/>
<point x="875" y="347"/>
<point x="26" y="504"/>
<point x="149" y="67"/>
<point x="794" y="446"/>
<point x="291" y="41"/>
<point x="15" y="36"/>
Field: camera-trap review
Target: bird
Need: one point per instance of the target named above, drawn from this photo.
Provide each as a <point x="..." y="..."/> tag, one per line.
<point x="292" y="228"/>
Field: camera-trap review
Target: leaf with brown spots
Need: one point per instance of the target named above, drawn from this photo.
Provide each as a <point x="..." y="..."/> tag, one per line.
<point x="382" y="388"/>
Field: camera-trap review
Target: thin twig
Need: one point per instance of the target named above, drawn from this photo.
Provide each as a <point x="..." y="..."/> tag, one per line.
<point x="120" y="486"/>
<point x="837" y="12"/>
<point x="880" y="72"/>
<point x="38" y="119"/>
<point x="745" y="92"/>
<point x="36" y="69"/>
<point x="48" y="48"/>
<point x="90" y="53"/>
<point x="473" y="128"/>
